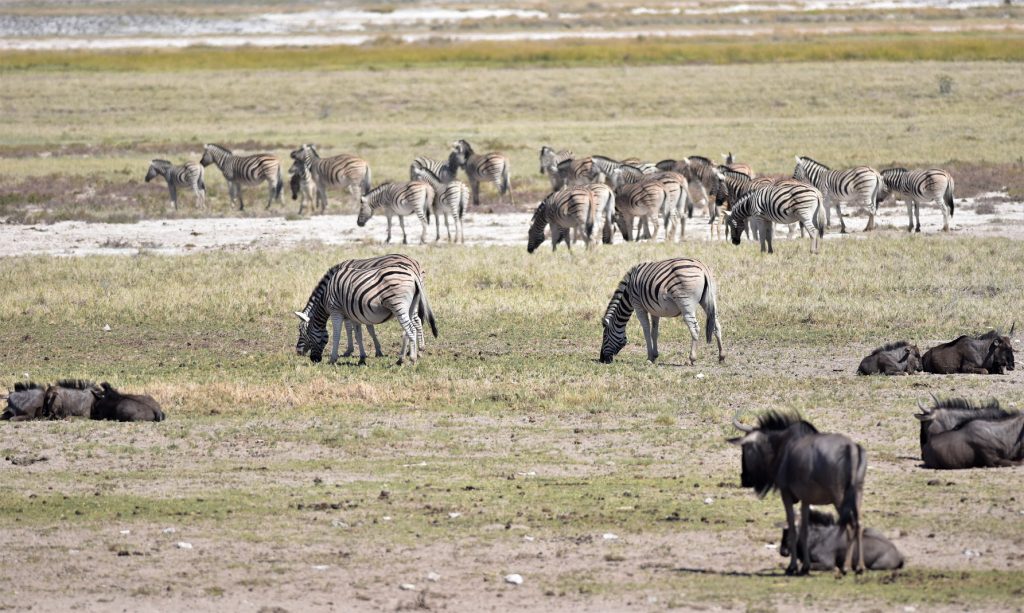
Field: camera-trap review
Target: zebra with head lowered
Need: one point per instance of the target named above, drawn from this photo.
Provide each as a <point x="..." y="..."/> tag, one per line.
<point x="732" y="187"/>
<point x="303" y="185"/>
<point x="787" y="201"/>
<point x="668" y="288"/>
<point x="241" y="170"/>
<point x="549" y="161"/>
<point x="399" y="199"/>
<point x="368" y="297"/>
<point x="189" y="175"/>
<point x="916" y="186"/>
<point x="343" y="170"/>
<point x="860" y="186"/>
<point x="676" y="188"/>
<point x="491" y="167"/>
<point x="569" y="210"/>
<point x="446" y="171"/>
<point x="450" y="199"/>
<point x="302" y="345"/>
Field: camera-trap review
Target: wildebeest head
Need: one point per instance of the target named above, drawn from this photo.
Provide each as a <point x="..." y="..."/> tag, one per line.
<point x="760" y="446"/>
<point x="112" y="404"/>
<point x="999" y="357"/>
<point x="951" y="413"/>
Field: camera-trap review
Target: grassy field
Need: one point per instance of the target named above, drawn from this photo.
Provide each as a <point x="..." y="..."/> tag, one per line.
<point x="270" y="465"/>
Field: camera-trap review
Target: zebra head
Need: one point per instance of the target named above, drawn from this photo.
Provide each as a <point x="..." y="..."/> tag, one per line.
<point x="615" y="319"/>
<point x="156" y="168"/>
<point x="302" y="345"/>
<point x="209" y="157"/>
<point x="735" y="220"/>
<point x="314" y="341"/>
<point x="365" y="212"/>
<point x="536" y="234"/>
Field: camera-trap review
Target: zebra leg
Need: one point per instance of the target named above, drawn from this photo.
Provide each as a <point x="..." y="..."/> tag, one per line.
<point x="769" y="230"/>
<point x="424" y="224"/>
<point x="655" y="321"/>
<point x="349" y="326"/>
<point x="688" y="310"/>
<point x="839" y="212"/>
<point x="917" y="214"/>
<point x="376" y="343"/>
<point x="336" y="321"/>
<point x="174" y="195"/>
<point x="474" y="186"/>
<point x="447" y="229"/>
<point x="271" y="188"/>
<point x="388" y="239"/>
<point x="359" y="341"/>
<point x="437" y="222"/>
<point x="200" y="197"/>
<point x="645" y="324"/>
<point x="402" y="314"/>
<point x="401" y="224"/>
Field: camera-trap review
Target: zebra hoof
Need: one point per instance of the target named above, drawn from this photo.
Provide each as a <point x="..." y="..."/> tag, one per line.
<point x="362" y="362"/>
<point x="721" y="359"/>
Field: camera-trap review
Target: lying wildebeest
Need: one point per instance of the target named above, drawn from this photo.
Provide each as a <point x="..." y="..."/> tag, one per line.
<point x="25" y="402"/>
<point x="786" y="453"/>
<point x="956" y="433"/>
<point x="112" y="404"/>
<point x="829" y="542"/>
<point x="899" y="358"/>
<point x="70" y="398"/>
<point x="990" y="353"/>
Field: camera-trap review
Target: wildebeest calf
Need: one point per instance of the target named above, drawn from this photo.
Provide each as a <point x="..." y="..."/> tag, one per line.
<point x="990" y="353"/>
<point x="112" y="404"/>
<point x="976" y="436"/>
<point x="25" y="402"/>
<point x="828" y="543"/>
<point x="899" y="358"/>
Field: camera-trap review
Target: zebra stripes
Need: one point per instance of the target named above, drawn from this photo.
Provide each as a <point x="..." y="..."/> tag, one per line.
<point x="343" y="170"/>
<point x="491" y="167"/>
<point x="303" y="184"/>
<point x="189" y="174"/>
<point x="732" y="164"/>
<point x="787" y="201"/>
<point x="643" y="200"/>
<point x="653" y="290"/>
<point x="445" y="171"/>
<point x="568" y="210"/>
<point x="399" y="199"/>
<point x="368" y="297"/>
<point x="450" y="199"/>
<point x="573" y="172"/>
<point x="242" y="170"/>
<point x="916" y="186"/>
<point x="676" y="188"/>
<point x="859" y="186"/>
<point x="549" y="161"/>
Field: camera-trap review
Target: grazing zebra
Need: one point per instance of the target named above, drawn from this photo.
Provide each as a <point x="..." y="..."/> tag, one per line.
<point x="860" y="185"/>
<point x="668" y="288"/>
<point x="445" y="171"/>
<point x="303" y="184"/>
<point x="450" y="199"/>
<point x="733" y="186"/>
<point x="492" y="167"/>
<point x="241" y="170"/>
<point x="570" y="209"/>
<point x="732" y="164"/>
<point x="644" y="200"/>
<point x="399" y="199"/>
<point x="549" y="161"/>
<point x="368" y="297"/>
<point x="343" y="170"/>
<point x="917" y="186"/>
<point x="189" y="174"/>
<point x="676" y="190"/>
<point x="787" y="201"/>
<point x="302" y="346"/>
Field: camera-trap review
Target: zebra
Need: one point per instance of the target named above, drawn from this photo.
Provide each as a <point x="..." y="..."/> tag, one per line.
<point x="492" y="167"/>
<point x="399" y="199"/>
<point x="450" y="198"/>
<point x="916" y="186"/>
<point x="604" y="208"/>
<point x="445" y="171"/>
<point x="703" y="184"/>
<point x="787" y="201"/>
<point x="241" y="170"/>
<point x="733" y="186"/>
<point x="302" y="345"/>
<point x="368" y="297"/>
<point x="732" y="164"/>
<point x="860" y="185"/>
<point x="189" y="174"/>
<point x="303" y="184"/>
<point x="644" y="200"/>
<point x="343" y="170"/>
<point x="549" y="161"/>
<point x="569" y="209"/>
<point x="572" y="172"/>
<point x="676" y="190"/>
<point x="667" y="288"/>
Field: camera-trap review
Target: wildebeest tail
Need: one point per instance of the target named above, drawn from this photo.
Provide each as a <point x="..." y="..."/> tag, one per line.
<point x="857" y="465"/>
<point x="948" y="196"/>
<point x="424" y="307"/>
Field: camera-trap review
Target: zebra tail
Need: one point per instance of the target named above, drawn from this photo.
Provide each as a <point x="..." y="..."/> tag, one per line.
<point x="948" y="197"/>
<point x="280" y="186"/>
<point x="425" y="311"/>
<point x="365" y="184"/>
<point x="506" y="181"/>
<point x="588" y="226"/>
<point x="819" y="219"/>
<point x="708" y="300"/>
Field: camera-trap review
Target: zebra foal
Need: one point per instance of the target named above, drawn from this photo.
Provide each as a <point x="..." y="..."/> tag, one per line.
<point x="242" y="170"/>
<point x="399" y="199"/>
<point x="916" y="186"/>
<point x="450" y="199"/>
<point x="303" y="185"/>
<point x="668" y="288"/>
<point x="787" y="201"/>
<point x="189" y="175"/>
<point x="567" y="210"/>
<point x="860" y="185"/>
<point x="491" y="167"/>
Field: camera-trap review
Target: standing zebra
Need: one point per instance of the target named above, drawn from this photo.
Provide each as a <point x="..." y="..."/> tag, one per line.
<point x="572" y="172"/>
<point x="241" y="170"/>
<point x="399" y="199"/>
<point x="343" y="170"/>
<point x="916" y="186"/>
<point x="787" y="201"/>
<point x="732" y="164"/>
<point x="570" y="209"/>
<point x="668" y="288"/>
<point x="303" y="345"/>
<point x="676" y="189"/>
<point x="492" y="167"/>
<point x="368" y="297"/>
<point x="604" y="207"/>
<point x="549" y="161"/>
<point x="303" y="184"/>
<point x="189" y="174"/>
<point x="450" y="198"/>
<point x="860" y="185"/>
<point x="643" y="200"/>
<point x="445" y="171"/>
<point x="733" y="186"/>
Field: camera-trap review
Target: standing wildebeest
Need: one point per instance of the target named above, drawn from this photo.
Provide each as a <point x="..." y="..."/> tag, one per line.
<point x="828" y="543"/>
<point x="70" y="398"/>
<point x="786" y="453"/>
<point x="990" y="353"/>
<point x="899" y="358"/>
<point x="957" y="434"/>
<point x="25" y="402"/>
<point x="112" y="404"/>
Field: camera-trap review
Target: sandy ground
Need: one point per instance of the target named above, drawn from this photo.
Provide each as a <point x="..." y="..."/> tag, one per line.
<point x="996" y="216"/>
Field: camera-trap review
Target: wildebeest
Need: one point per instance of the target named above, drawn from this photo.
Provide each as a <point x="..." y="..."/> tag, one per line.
<point x="828" y="544"/>
<point x="899" y="358"/>
<point x="956" y="433"/>
<point x="25" y="402"/>
<point x="990" y="353"/>
<point x="70" y="398"/>
<point x="786" y="453"/>
<point x="112" y="404"/>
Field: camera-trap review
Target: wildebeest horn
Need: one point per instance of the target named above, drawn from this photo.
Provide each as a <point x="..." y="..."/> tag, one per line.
<point x="1012" y="326"/>
<point x="736" y="423"/>
<point x="923" y="408"/>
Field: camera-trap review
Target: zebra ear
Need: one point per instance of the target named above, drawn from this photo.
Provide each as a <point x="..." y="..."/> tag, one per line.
<point x="797" y="157"/>
<point x="302" y="316"/>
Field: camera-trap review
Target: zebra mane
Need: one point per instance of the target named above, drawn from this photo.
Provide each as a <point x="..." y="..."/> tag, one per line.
<point x="604" y="159"/>
<point x="162" y="162"/>
<point x="221" y="147"/>
<point x="75" y="384"/>
<point x="666" y="164"/>
<point x="312" y="149"/>
<point x="890" y="347"/>
<point x="539" y="211"/>
<point x="703" y="161"/>
<point x="895" y="169"/>
<point x="804" y="158"/>
<point x="377" y="189"/>
<point x="465" y="146"/>
<point x="729" y="172"/>
<point x="427" y="171"/>
<point x="781" y="420"/>
<point x="31" y="385"/>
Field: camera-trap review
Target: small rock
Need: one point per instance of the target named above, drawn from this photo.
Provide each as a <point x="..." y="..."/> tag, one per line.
<point x="106" y="327"/>
<point x="184" y="545"/>
<point x="433" y="577"/>
<point x="529" y="539"/>
<point x="454" y="514"/>
<point x="169" y="530"/>
<point x="514" y="579"/>
<point x="970" y="553"/>
<point x="700" y="375"/>
<point x="337" y="523"/>
<point x="126" y="532"/>
<point x="771" y="546"/>
<point x="608" y="536"/>
<point x="708" y="500"/>
<point x="909" y="609"/>
<point x="386" y="518"/>
<point x="320" y="567"/>
<point x="407" y="587"/>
